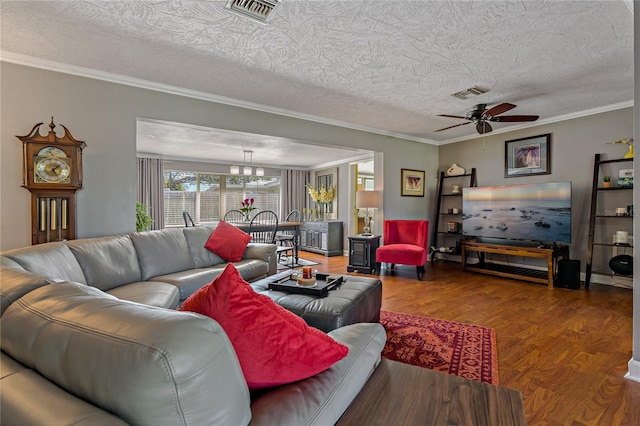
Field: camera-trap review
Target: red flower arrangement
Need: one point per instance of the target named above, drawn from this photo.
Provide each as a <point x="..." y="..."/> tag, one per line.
<point x="247" y="205"/>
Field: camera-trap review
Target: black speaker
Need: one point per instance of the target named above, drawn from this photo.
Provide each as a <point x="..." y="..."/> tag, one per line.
<point x="568" y="274"/>
<point x="622" y="264"/>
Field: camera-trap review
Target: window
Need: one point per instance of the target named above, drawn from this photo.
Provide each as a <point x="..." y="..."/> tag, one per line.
<point x="207" y="197"/>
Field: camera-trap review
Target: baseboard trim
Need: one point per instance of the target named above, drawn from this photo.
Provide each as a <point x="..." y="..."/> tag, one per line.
<point x="634" y="370"/>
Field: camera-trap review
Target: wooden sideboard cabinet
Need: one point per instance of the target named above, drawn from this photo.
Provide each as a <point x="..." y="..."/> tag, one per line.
<point x="322" y="237"/>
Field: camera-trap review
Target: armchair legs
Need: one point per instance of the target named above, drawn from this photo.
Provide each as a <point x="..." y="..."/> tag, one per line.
<point x="420" y="271"/>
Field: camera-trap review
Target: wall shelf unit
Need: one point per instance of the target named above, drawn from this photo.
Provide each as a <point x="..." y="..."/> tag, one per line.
<point x="601" y="217"/>
<point x="442" y="234"/>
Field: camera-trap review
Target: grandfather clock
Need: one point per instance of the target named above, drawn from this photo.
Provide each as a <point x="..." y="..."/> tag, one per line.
<point x="52" y="172"/>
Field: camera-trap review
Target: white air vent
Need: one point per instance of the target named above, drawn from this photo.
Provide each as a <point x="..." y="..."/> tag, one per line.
<point x="254" y="9"/>
<point x="467" y="93"/>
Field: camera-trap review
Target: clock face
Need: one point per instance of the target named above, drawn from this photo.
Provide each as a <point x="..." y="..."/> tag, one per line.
<point x="52" y="170"/>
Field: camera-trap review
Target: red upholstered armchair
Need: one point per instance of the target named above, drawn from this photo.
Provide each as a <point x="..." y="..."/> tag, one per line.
<point x="405" y="243"/>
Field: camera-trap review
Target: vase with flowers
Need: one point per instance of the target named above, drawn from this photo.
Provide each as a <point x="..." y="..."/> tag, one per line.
<point x="323" y="197"/>
<point x="247" y="208"/>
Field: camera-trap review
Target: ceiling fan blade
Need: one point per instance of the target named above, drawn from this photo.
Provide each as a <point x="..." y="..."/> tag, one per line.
<point x="515" y="118"/>
<point x="452" y="116"/>
<point x="483" y="127"/>
<point x="499" y="109"/>
<point x="451" y="127"/>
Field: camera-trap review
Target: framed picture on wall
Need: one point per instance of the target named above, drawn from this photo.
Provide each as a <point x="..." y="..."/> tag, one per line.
<point x="412" y="183"/>
<point x="528" y="156"/>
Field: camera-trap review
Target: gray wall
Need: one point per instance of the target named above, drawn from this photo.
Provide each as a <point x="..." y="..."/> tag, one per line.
<point x="103" y="114"/>
<point x="574" y="144"/>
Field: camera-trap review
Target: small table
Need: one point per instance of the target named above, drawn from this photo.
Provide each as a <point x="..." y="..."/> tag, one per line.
<point x="401" y="394"/>
<point x="362" y="253"/>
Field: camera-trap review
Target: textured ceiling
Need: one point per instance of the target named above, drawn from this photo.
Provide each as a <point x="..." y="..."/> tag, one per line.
<point x="385" y="65"/>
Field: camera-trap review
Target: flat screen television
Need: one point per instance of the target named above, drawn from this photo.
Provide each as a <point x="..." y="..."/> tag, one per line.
<point x="537" y="212"/>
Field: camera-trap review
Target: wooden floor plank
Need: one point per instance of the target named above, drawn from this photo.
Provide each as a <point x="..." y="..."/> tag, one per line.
<point x="565" y="350"/>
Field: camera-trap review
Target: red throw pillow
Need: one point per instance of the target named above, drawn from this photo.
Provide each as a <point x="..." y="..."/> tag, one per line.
<point x="228" y="242"/>
<point x="274" y="346"/>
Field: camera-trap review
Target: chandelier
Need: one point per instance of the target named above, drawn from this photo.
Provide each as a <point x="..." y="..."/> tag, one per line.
<point x="247" y="168"/>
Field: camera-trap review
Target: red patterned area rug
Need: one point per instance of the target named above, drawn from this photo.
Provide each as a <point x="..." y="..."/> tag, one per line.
<point x="463" y="350"/>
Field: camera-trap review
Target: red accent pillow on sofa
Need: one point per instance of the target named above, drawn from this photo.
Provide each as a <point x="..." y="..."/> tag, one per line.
<point x="274" y="346"/>
<point x="228" y="242"/>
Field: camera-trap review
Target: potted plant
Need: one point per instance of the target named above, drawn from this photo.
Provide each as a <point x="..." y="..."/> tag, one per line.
<point x="606" y="181"/>
<point x="143" y="220"/>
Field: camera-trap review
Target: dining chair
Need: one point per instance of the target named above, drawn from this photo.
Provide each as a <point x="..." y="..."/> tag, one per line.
<point x="234" y="216"/>
<point x="187" y="219"/>
<point x="287" y="239"/>
<point x="263" y="227"/>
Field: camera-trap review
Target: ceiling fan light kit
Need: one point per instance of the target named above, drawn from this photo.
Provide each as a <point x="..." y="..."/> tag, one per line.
<point x="480" y="115"/>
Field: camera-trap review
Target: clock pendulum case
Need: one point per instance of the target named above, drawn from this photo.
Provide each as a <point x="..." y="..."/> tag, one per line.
<point x="52" y="172"/>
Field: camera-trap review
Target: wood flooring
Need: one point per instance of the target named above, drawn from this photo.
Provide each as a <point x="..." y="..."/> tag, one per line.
<point x="565" y="350"/>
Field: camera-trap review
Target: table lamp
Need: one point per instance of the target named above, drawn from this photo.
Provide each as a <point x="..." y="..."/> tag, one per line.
<point x="367" y="200"/>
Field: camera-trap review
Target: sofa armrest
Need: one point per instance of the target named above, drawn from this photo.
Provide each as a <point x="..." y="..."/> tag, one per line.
<point x="321" y="399"/>
<point x="266" y="252"/>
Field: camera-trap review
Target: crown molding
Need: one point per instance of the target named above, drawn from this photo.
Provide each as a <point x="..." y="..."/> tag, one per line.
<point x="29" y="61"/>
<point x="19" y="59"/>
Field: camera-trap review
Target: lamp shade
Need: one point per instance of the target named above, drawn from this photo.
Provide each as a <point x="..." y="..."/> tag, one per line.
<point x="234" y="170"/>
<point x="367" y="199"/>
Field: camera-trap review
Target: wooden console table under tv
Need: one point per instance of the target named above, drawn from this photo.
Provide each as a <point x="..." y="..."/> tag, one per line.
<point x="552" y="254"/>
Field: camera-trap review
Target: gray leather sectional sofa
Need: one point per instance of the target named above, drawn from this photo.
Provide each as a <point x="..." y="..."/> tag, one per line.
<point x="90" y="336"/>
<point x="158" y="268"/>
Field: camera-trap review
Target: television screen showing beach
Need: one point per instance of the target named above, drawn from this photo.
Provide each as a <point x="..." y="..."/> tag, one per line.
<point x="536" y="212"/>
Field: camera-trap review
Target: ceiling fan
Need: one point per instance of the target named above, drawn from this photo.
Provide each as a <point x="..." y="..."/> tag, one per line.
<point x="480" y="115"/>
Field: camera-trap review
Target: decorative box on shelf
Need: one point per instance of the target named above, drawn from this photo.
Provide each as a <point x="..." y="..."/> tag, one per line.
<point x="625" y="177"/>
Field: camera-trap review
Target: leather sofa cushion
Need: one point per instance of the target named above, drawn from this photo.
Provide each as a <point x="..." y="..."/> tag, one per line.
<point x="152" y="293"/>
<point x="53" y="260"/>
<point x="146" y="365"/>
<point x="188" y="282"/>
<point x="5" y="261"/>
<point x="16" y="283"/>
<point x="17" y="409"/>
<point x="197" y="237"/>
<point x="107" y="262"/>
<point x="162" y="252"/>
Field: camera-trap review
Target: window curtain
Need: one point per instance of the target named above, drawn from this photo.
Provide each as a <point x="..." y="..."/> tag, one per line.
<point x="151" y="189"/>
<point x="293" y="190"/>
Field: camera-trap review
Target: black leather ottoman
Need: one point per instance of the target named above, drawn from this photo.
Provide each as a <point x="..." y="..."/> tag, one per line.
<point x="357" y="299"/>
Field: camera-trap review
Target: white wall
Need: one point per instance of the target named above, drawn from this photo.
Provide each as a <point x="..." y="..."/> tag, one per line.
<point x="104" y="114"/>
